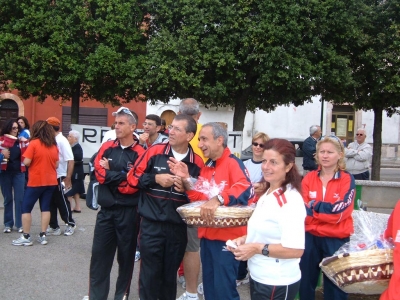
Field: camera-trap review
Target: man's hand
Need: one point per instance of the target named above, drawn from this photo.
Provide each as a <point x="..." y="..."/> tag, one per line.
<point x="207" y="210"/>
<point x="260" y="188"/>
<point x="178" y="168"/>
<point x="104" y="163"/>
<point x="67" y="182"/>
<point x="143" y="138"/>
<point x="165" y="180"/>
<point x="178" y="184"/>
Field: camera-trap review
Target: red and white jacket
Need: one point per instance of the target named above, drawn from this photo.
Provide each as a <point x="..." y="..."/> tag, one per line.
<point x="329" y="214"/>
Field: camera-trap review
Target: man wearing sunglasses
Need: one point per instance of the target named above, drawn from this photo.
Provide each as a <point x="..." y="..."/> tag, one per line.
<point x="358" y="155"/>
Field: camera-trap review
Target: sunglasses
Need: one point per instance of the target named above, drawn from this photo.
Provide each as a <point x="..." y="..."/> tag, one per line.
<point x="359" y="134"/>
<point x="257" y="144"/>
<point x="14" y="128"/>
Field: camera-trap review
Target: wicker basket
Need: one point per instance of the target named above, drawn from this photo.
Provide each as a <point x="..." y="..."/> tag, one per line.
<point x="225" y="216"/>
<point x="363" y="272"/>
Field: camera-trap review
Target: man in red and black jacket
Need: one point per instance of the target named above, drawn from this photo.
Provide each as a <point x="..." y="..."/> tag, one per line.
<point x="116" y="223"/>
<point x="163" y="234"/>
<point x="220" y="267"/>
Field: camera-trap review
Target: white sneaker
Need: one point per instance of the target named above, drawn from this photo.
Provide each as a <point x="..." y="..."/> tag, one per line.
<point x="22" y="241"/>
<point x="184" y="296"/>
<point x="243" y="281"/>
<point x="51" y="231"/>
<point x="69" y="230"/>
<point x="87" y="298"/>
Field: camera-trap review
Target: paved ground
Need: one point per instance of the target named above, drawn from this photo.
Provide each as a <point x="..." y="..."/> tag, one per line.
<point x="59" y="270"/>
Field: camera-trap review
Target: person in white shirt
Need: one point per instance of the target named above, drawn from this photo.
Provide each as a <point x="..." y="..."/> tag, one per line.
<point x="64" y="173"/>
<point x="275" y="234"/>
<point x="358" y="155"/>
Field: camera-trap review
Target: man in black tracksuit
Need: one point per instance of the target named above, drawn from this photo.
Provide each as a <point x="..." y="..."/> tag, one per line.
<point x="163" y="235"/>
<point x="116" y="223"/>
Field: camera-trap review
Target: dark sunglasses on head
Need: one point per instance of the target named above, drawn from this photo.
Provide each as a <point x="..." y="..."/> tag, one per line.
<point x="257" y="144"/>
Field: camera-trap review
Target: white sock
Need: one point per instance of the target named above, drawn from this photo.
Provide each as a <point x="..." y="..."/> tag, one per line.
<point x="191" y="295"/>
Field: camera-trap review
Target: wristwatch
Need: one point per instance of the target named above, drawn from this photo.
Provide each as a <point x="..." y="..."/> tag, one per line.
<point x="220" y="199"/>
<point x="265" y="250"/>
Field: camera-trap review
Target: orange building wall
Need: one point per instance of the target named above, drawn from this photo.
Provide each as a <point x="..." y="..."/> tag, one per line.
<point x="35" y="111"/>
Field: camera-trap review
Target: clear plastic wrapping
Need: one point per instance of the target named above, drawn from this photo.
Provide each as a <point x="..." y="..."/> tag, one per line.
<point x="365" y="264"/>
<point x="225" y="216"/>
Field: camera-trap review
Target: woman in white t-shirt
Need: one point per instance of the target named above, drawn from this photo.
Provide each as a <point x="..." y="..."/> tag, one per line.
<point x="275" y="235"/>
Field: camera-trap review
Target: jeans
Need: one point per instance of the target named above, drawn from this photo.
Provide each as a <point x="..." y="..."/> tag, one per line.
<point x="12" y="188"/>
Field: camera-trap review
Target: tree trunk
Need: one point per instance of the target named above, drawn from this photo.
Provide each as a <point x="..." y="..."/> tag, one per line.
<point x="377" y="146"/>
<point x="75" y="104"/>
<point x="239" y="114"/>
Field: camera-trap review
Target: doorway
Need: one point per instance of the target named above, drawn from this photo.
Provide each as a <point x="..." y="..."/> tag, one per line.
<point x="168" y="116"/>
<point x="8" y="110"/>
<point x="342" y="124"/>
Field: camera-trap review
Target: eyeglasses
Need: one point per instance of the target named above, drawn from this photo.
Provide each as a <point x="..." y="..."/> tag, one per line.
<point x="359" y="134"/>
<point x="257" y="144"/>
<point x="149" y="124"/>
<point x="170" y="128"/>
<point x="14" y="128"/>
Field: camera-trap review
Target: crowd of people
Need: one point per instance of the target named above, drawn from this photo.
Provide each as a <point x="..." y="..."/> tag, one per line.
<point x="143" y="179"/>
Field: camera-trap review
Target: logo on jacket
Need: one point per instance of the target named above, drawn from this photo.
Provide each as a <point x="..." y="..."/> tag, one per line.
<point x="129" y="165"/>
<point x="312" y="194"/>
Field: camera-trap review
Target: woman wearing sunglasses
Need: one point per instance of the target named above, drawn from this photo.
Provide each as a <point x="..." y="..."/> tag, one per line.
<point x="328" y="194"/>
<point x="12" y="176"/>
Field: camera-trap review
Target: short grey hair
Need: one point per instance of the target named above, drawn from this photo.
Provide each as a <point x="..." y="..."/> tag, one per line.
<point x="313" y="129"/>
<point x="363" y="130"/>
<point x="218" y="131"/>
<point x="75" y="134"/>
<point x="189" y="106"/>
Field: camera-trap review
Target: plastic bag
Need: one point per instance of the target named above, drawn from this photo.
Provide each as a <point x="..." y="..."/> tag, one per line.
<point x="209" y="188"/>
<point x="365" y="264"/>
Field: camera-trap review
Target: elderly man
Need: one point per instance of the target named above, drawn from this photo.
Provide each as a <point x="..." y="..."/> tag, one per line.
<point x="116" y="223"/>
<point x="163" y="234"/>
<point x="358" y="155"/>
<point x="220" y="267"/>
<point x="309" y="148"/>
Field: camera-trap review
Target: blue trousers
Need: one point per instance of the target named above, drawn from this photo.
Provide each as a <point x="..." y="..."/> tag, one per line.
<point x="12" y="188"/>
<point x="317" y="248"/>
<point x="220" y="269"/>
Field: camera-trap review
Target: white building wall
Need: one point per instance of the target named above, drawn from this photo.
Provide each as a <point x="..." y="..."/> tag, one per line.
<point x="293" y="122"/>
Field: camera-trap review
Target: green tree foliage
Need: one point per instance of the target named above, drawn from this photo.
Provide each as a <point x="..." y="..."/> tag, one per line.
<point x="249" y="54"/>
<point x="375" y="62"/>
<point x="72" y="48"/>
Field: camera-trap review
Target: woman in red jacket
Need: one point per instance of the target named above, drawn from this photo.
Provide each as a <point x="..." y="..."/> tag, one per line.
<point x="328" y="194"/>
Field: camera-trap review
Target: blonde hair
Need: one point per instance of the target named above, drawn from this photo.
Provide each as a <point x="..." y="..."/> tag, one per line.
<point x="260" y="135"/>
<point x="337" y="143"/>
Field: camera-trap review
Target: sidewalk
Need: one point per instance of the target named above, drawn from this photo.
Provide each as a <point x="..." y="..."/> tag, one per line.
<point x="60" y="269"/>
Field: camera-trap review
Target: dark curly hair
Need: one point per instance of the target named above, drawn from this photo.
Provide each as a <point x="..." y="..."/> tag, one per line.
<point x="25" y="121"/>
<point x="7" y="127"/>
<point x="44" y="132"/>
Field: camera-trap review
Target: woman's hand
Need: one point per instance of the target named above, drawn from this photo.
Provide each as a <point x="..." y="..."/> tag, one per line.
<point x="246" y="251"/>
